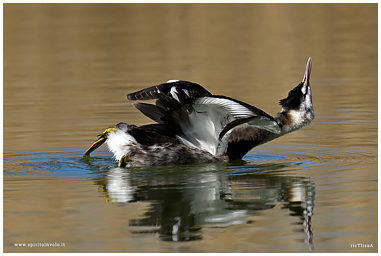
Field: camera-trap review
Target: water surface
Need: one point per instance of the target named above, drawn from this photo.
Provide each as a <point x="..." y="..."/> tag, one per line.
<point x="67" y="68"/>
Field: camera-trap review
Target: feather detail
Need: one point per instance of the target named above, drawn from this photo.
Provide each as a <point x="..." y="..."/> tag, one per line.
<point x="151" y="111"/>
<point x="191" y="90"/>
<point x="202" y="120"/>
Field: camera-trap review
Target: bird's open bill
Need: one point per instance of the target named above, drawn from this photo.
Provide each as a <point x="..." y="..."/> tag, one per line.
<point x="99" y="142"/>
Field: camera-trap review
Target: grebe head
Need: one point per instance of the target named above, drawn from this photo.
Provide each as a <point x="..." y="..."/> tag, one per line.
<point x="297" y="107"/>
<point x="117" y="138"/>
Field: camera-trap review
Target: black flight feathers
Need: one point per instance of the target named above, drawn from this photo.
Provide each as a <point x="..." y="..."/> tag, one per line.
<point x="169" y="96"/>
<point x="175" y="99"/>
<point x="190" y="91"/>
<point x="170" y="99"/>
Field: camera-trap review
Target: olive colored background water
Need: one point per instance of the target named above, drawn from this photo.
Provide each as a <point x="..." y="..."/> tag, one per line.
<point x="67" y="68"/>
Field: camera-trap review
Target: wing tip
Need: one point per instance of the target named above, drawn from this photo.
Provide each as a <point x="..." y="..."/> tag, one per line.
<point x="128" y="96"/>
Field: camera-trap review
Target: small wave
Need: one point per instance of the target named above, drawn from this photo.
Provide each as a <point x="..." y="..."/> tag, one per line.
<point x="344" y="157"/>
<point x="54" y="162"/>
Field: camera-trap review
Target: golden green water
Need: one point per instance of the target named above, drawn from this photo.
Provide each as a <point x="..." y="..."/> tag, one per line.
<point x="67" y="68"/>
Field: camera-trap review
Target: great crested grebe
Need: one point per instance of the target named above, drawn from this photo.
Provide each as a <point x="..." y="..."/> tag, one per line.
<point x="194" y="126"/>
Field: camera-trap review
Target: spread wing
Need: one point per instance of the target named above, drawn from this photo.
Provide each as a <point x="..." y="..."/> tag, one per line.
<point x="202" y="120"/>
<point x="181" y="91"/>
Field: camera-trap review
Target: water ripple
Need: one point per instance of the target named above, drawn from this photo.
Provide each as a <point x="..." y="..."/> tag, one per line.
<point x="342" y="157"/>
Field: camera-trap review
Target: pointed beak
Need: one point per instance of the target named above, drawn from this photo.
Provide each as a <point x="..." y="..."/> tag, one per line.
<point x="307" y="73"/>
<point x="100" y="141"/>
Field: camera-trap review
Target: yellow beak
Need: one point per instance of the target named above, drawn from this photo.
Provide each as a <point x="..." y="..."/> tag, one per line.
<point x="100" y="141"/>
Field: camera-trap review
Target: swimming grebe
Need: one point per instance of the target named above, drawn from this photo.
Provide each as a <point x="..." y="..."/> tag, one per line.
<point x="194" y="126"/>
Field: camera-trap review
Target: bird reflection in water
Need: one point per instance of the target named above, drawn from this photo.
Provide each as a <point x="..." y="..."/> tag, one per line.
<point x="185" y="199"/>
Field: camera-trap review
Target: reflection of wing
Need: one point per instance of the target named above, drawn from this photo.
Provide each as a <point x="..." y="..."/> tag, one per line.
<point x="202" y="120"/>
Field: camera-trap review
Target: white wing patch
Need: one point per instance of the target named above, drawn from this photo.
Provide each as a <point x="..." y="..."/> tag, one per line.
<point x="203" y="130"/>
<point x="237" y="111"/>
<point x="174" y="93"/>
<point x="186" y="92"/>
<point x="232" y="107"/>
<point x="209" y="117"/>
<point x="172" y="81"/>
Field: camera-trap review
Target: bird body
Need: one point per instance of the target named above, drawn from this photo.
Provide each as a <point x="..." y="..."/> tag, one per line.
<point x="195" y="126"/>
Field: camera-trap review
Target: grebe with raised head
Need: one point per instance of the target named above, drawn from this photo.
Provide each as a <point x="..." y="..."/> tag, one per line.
<point x="195" y="126"/>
